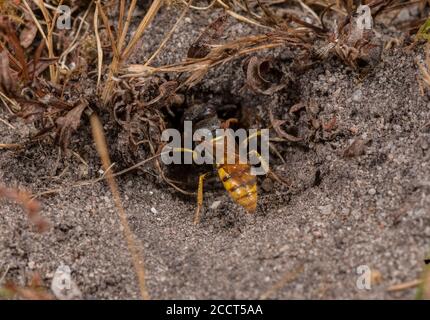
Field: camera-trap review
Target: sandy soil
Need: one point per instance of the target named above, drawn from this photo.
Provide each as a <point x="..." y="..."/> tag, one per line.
<point x="305" y="241"/>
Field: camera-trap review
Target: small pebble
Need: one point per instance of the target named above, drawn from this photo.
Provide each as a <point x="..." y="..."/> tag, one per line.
<point x="154" y="211"/>
<point x="215" y="204"/>
<point x="372" y="191"/>
<point x="357" y="96"/>
<point x="326" y="209"/>
<point x="267" y="185"/>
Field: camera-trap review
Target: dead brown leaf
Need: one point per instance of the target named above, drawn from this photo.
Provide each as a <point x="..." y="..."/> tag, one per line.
<point x="296" y="108"/>
<point x="357" y="148"/>
<point x="29" y="32"/>
<point x="69" y="123"/>
<point x="166" y="91"/>
<point x="255" y="80"/>
<point x="276" y="124"/>
<point x="202" y="46"/>
<point x="6" y="82"/>
<point x="8" y="30"/>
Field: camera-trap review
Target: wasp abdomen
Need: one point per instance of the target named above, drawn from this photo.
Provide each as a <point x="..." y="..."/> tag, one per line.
<point x="240" y="184"/>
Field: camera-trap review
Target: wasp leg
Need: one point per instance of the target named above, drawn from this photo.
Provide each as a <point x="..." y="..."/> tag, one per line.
<point x="200" y="187"/>
<point x="275" y="151"/>
<point x="263" y="162"/>
<point x="199" y="198"/>
<point x="171" y="182"/>
<point x="185" y="150"/>
<point x="227" y="122"/>
<point x="267" y="169"/>
<point x="245" y="142"/>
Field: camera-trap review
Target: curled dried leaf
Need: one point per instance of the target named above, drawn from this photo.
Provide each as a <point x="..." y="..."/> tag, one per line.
<point x="69" y="123"/>
<point x="166" y="92"/>
<point x="276" y="124"/>
<point x="296" y="108"/>
<point x="257" y="76"/>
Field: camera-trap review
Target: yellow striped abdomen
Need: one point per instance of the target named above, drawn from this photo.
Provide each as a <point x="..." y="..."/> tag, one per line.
<point x="240" y="184"/>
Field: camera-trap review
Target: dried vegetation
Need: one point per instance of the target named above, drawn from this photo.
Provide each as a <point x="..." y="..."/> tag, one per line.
<point x="58" y="79"/>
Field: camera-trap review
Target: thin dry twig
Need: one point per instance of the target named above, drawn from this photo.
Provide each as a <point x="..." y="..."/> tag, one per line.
<point x="169" y="34"/>
<point x="101" y="146"/>
<point x="48" y="38"/>
<point x="10" y="146"/>
<point x="99" y="47"/>
<point x="405" y="285"/>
